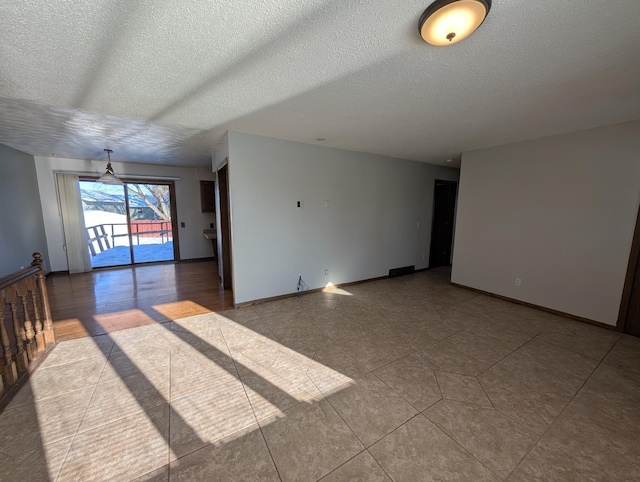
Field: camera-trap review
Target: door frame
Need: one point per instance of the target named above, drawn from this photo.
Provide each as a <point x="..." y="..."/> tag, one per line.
<point x="222" y="185"/>
<point x="632" y="277"/>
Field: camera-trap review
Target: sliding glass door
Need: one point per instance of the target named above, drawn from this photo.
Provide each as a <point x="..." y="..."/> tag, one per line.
<point x="128" y="224"/>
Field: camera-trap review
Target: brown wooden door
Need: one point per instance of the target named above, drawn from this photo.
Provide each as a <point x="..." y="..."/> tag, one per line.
<point x="629" y="317"/>
<point x="225" y="227"/>
<point x="444" y="205"/>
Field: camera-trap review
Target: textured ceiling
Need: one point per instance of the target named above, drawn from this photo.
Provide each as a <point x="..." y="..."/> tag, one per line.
<point x="161" y="81"/>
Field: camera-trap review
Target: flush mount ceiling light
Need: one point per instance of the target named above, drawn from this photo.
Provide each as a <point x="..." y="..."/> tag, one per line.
<point x="109" y="177"/>
<point x="447" y="22"/>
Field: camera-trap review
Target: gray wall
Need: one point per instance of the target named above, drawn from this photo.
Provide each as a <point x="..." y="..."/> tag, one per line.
<point x="370" y="226"/>
<point x="558" y="212"/>
<point x="21" y="223"/>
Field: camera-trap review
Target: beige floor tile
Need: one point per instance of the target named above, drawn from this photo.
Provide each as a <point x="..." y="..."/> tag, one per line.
<point x="237" y="335"/>
<point x="444" y="357"/>
<point x="451" y="314"/>
<point x="158" y="336"/>
<point x="419" y="450"/>
<point x="30" y="426"/>
<point x="362" y="468"/>
<point x="289" y="359"/>
<point x="238" y="315"/>
<point x="135" y="361"/>
<point x="371" y="408"/>
<point x="122" y="450"/>
<point x="332" y="367"/>
<point x="209" y="345"/>
<point x="309" y="441"/>
<point x="462" y="388"/>
<point x="79" y="349"/>
<point x="619" y="384"/>
<point x="480" y="347"/>
<point x="439" y="329"/>
<point x="592" y="347"/>
<point x="493" y="438"/>
<point x="412" y="380"/>
<point x="208" y="416"/>
<point x="204" y="324"/>
<point x="121" y="397"/>
<point x="242" y="457"/>
<point x="193" y="373"/>
<point x="482" y="309"/>
<point x="597" y="443"/>
<point x="42" y="464"/>
<point x="374" y="351"/>
<point x="159" y="475"/>
<point x="625" y="355"/>
<point x="340" y="327"/>
<point x="508" y="334"/>
<point x="548" y="463"/>
<point x="60" y="379"/>
<point x="557" y="358"/>
<point x="271" y="392"/>
<point x="541" y="378"/>
<point x="515" y="398"/>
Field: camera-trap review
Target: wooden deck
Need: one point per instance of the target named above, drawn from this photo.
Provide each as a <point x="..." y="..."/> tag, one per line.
<point x="105" y="301"/>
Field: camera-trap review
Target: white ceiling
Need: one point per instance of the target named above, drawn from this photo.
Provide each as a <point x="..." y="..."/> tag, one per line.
<point x="160" y="81"/>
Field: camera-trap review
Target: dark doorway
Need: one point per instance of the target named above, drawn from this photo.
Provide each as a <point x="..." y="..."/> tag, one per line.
<point x="225" y="228"/>
<point x="444" y="206"/>
<point x="629" y="315"/>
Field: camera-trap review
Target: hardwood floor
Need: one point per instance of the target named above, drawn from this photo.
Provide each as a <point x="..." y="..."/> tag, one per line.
<point x="89" y="304"/>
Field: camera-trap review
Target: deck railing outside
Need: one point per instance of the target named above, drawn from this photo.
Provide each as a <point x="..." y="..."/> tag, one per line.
<point x="102" y="237"/>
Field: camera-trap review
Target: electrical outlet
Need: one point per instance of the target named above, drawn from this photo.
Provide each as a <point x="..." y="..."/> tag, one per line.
<point x="518" y="282"/>
<point x="327" y="204"/>
<point x="326" y="272"/>
<point x="424" y="256"/>
<point x="299" y="275"/>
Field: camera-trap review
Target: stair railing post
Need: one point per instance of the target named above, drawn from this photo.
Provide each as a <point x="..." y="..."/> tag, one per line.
<point x="47" y="326"/>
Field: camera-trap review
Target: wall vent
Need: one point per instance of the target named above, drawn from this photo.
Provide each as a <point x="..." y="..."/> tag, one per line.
<point x="401" y="271"/>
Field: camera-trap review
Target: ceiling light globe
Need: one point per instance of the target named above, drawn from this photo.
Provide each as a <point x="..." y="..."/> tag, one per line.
<point x="447" y="22"/>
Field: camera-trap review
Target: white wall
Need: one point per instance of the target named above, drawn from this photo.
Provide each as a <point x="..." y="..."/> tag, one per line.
<point x="192" y="242"/>
<point x="558" y="212"/>
<point x="370" y="226"/>
<point x="21" y="224"/>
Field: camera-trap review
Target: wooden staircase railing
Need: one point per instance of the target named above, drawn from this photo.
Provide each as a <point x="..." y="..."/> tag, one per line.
<point x="26" y="333"/>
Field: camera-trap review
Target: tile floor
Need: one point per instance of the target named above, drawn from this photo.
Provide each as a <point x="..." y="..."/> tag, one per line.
<point x="398" y="379"/>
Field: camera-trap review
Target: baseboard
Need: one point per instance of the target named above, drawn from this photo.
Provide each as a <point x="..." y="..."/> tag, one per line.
<point x="244" y="304"/>
<point x="537" y="307"/>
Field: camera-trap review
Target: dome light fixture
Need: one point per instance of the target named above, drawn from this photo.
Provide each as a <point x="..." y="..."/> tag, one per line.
<point x="109" y="177"/>
<point x="446" y="22"/>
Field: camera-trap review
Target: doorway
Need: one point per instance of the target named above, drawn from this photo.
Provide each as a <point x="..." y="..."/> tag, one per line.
<point x="629" y="314"/>
<point x="444" y="206"/>
<point x="129" y="224"/>
<point x="225" y="226"/>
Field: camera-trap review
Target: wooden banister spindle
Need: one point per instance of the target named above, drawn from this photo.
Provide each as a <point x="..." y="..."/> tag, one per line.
<point x="37" y="324"/>
<point x="10" y="371"/>
<point x="47" y="326"/>
<point x="32" y="348"/>
<point x="22" y="360"/>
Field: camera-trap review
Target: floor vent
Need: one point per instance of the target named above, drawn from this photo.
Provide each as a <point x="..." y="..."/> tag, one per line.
<point x="401" y="271"/>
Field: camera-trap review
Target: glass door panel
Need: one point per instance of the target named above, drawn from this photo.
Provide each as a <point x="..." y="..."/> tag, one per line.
<point x="151" y="226"/>
<point x="105" y="217"/>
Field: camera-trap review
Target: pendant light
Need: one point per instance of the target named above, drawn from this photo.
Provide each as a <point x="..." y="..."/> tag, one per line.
<point x="109" y="177"/>
<point x="446" y="22"/>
